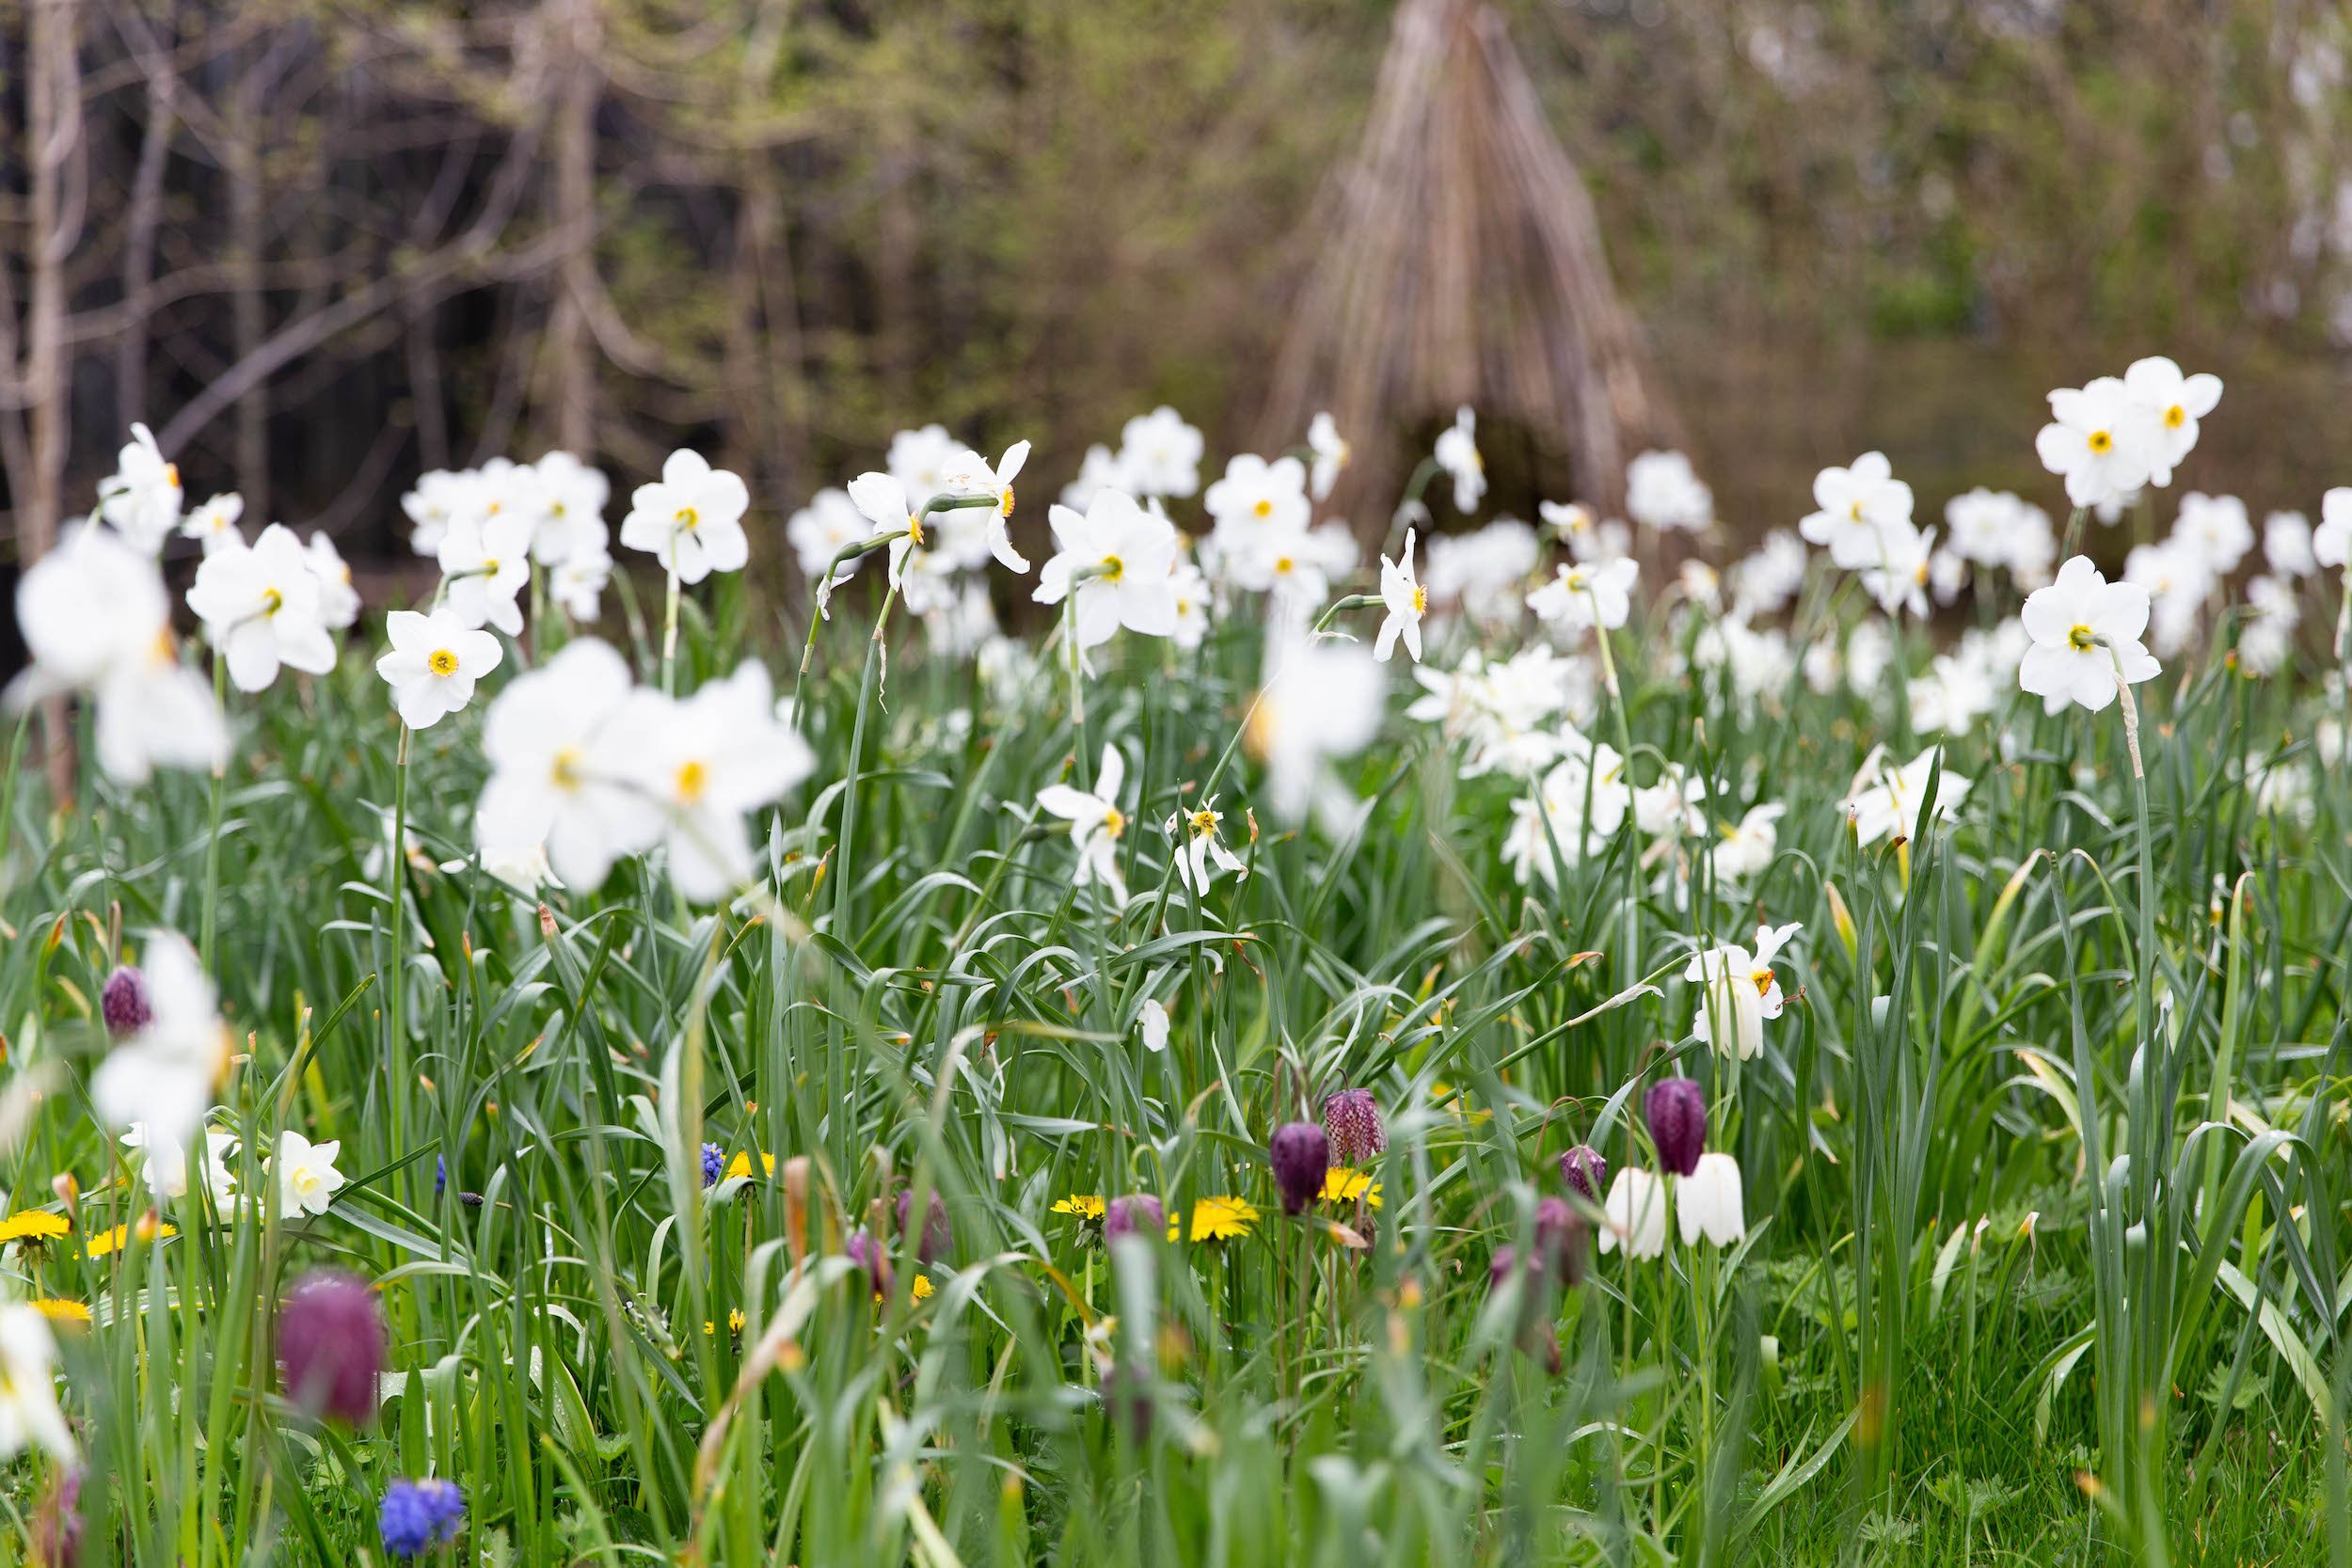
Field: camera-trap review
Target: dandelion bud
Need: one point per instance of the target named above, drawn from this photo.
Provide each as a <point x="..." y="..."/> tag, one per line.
<point x="1677" y="1123"/>
<point x="1351" y="1118"/>
<point x="1585" y="1171"/>
<point x="419" y="1515"/>
<point x="1302" y="1158"/>
<point x="123" y="1003"/>
<point x="330" y="1347"/>
<point x="1136" y="1215"/>
<point x="938" y="1237"/>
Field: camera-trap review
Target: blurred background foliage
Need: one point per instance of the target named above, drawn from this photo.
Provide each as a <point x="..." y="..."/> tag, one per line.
<point x="323" y="245"/>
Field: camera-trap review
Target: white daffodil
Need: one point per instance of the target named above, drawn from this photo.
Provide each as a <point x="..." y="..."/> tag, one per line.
<point x="162" y="1159"/>
<point x="305" y="1174"/>
<point x="1098" y="470"/>
<point x="432" y="664"/>
<point x="2103" y="441"/>
<point x="1738" y="991"/>
<point x="1320" y="701"/>
<point x="1323" y="439"/>
<point x="440" y="494"/>
<point x="2331" y="541"/>
<point x="1888" y="801"/>
<point x="1898" y="581"/>
<point x="1199" y="854"/>
<point x="829" y="524"/>
<point x="163" y="1075"/>
<point x="706" y="761"/>
<point x="1585" y="593"/>
<point x="2287" y="544"/>
<point x="2085" y="632"/>
<point x="1406" y="600"/>
<point x="141" y="498"/>
<point x="1159" y="454"/>
<point x="1483" y="573"/>
<point x="1669" y="808"/>
<point x="1766" y="581"/>
<point x="2174" y="403"/>
<point x="1115" y="564"/>
<point x="95" y="619"/>
<point x="578" y="584"/>
<point x="1096" y="824"/>
<point x="214" y="525"/>
<point x="2216" y="528"/>
<point x="2267" y="641"/>
<point x="1663" y="493"/>
<point x="1746" y="849"/>
<point x="261" y="607"/>
<point x="558" y="765"/>
<point x="1456" y="453"/>
<point x="29" y="1415"/>
<point x="339" y="601"/>
<point x="1151" y="1025"/>
<point x="1580" y="804"/>
<point x="1708" y="1202"/>
<point x="918" y="575"/>
<point x="919" y="460"/>
<point x="1856" y="507"/>
<point x="970" y="474"/>
<point x="568" y="503"/>
<point x="1256" y="496"/>
<point x="1954" y="694"/>
<point x="1633" y="1216"/>
<point x="691" y="519"/>
<point x="1192" y="604"/>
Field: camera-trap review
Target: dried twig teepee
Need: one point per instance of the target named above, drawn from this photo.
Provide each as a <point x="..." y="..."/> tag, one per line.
<point x="1460" y="262"/>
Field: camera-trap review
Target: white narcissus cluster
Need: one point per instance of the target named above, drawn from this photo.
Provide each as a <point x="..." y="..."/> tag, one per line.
<point x="596" y="768"/>
<point x="2112" y="436"/>
<point x="96" y="620"/>
<point x="1663" y="493"/>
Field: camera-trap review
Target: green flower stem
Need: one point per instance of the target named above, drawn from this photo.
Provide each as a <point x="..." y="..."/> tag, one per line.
<point x="212" y="839"/>
<point x="669" y="634"/>
<point x="395" y="888"/>
<point x="1631" y="961"/>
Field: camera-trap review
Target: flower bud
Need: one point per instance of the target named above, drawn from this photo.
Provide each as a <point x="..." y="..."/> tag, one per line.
<point x="1677" y="1123"/>
<point x="123" y="1003"/>
<point x="1351" y="1118"/>
<point x="1585" y="1172"/>
<point x="1559" y="1239"/>
<point x="938" y="1237"/>
<point x="867" y="1255"/>
<point x="331" y="1347"/>
<point x="1302" y="1158"/>
<point x="1136" y="1215"/>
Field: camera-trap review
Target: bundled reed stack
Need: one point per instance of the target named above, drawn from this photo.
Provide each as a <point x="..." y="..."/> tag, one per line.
<point x="1459" y="262"/>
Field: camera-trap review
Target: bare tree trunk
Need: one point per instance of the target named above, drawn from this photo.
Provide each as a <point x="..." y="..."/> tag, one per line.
<point x="577" y="30"/>
<point x="53" y="124"/>
<point x="247" y="321"/>
<point x="138" y="248"/>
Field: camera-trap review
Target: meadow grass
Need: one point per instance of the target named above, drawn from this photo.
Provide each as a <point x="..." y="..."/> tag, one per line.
<point x="2044" y="1235"/>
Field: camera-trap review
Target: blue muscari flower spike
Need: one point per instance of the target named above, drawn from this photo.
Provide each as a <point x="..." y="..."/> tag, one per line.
<point x="419" y="1515"/>
<point x="714" y="1161"/>
<point x="440" y="1175"/>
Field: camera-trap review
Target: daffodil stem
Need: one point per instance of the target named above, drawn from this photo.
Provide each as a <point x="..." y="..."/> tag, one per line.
<point x="1353" y="601"/>
<point x="2074" y="532"/>
<point x="669" y="636"/>
<point x="212" y="839"/>
<point x="395" y="989"/>
<point x="1632" y="959"/>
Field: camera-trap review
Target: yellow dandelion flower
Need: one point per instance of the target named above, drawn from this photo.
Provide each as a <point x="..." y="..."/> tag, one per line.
<point x="112" y="1240"/>
<point x="734" y="1323"/>
<point x="922" y="1287"/>
<point x="1343" y="1185"/>
<point x="1087" y="1206"/>
<point x="33" y="1225"/>
<point x="58" y="1311"/>
<point x="1218" y="1219"/>
<point x="742" y="1166"/>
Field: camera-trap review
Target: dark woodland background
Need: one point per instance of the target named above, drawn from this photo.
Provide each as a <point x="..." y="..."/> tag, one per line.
<point x="323" y="245"/>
